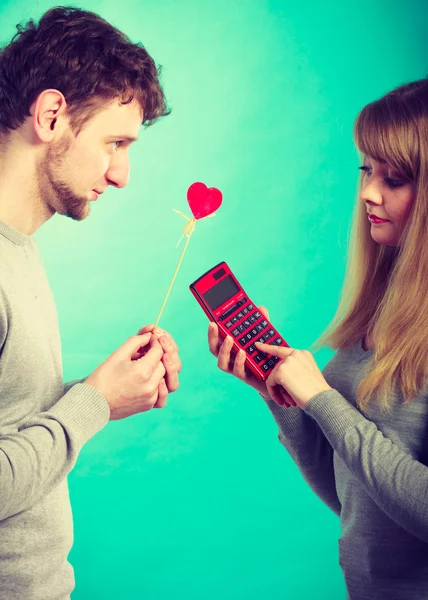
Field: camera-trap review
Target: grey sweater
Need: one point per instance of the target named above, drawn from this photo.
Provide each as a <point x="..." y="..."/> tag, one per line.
<point x="43" y="425"/>
<point x="369" y="468"/>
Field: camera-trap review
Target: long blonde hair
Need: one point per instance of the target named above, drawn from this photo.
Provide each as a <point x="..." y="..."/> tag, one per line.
<point x="385" y="290"/>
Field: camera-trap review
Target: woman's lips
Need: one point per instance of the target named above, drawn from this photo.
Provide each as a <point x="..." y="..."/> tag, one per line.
<point x="374" y="219"/>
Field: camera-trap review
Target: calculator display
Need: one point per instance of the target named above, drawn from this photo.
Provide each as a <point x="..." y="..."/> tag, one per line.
<point x="222" y="291"/>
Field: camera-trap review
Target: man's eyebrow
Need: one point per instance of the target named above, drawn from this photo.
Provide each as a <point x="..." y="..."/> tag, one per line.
<point x="125" y="138"/>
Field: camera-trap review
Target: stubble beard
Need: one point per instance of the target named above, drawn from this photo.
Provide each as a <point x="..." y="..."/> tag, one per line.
<point x="54" y="185"/>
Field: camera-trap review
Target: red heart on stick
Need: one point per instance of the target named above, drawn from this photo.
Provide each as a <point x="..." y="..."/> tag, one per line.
<point x="202" y="200"/>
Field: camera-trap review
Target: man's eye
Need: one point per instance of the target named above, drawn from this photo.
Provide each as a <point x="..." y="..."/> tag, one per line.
<point x="116" y="145"/>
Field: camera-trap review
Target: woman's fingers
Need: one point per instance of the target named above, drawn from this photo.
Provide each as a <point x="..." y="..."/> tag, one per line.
<point x="213" y="339"/>
<point x="239" y="365"/>
<point x="224" y="354"/>
<point x="264" y="311"/>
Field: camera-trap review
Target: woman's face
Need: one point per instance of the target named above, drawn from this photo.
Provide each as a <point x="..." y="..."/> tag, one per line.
<point x="388" y="195"/>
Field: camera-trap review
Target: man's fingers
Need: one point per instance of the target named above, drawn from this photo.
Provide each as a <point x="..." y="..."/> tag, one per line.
<point x="171" y="347"/>
<point x="171" y="375"/>
<point x="160" y="334"/>
<point x="162" y="395"/>
<point x="139" y="354"/>
<point x="166" y="339"/>
<point x="146" y="329"/>
<point x="152" y="357"/>
<point x="133" y="344"/>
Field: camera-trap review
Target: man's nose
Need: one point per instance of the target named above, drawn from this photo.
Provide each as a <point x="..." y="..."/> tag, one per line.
<point x="118" y="172"/>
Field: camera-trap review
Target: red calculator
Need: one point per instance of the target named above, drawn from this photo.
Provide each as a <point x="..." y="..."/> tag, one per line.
<point x="225" y="302"/>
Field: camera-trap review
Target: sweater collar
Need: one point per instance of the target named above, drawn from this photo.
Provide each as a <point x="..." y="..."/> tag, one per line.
<point x="13" y="235"/>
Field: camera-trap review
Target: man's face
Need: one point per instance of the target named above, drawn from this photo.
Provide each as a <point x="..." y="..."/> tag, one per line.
<point x="77" y="168"/>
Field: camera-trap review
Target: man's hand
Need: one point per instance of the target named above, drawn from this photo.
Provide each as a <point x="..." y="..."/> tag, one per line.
<point x="130" y="385"/>
<point x="170" y="359"/>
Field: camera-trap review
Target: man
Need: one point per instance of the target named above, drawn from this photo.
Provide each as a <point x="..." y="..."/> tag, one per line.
<point x="74" y="92"/>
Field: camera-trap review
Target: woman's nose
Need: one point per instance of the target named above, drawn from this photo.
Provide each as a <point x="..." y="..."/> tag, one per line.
<point x="370" y="192"/>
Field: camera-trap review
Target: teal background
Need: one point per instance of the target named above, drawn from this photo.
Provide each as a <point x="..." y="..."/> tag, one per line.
<point x="199" y="500"/>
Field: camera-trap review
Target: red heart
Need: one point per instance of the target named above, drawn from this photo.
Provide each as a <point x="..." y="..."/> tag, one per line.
<point x="202" y="200"/>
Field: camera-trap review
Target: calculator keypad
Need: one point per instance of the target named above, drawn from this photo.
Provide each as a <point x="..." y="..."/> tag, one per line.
<point x="250" y="326"/>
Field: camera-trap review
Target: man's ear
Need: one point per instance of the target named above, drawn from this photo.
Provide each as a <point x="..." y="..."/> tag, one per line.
<point x="46" y="114"/>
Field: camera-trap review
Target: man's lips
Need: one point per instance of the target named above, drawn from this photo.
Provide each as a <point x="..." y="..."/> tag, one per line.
<point x="96" y="193"/>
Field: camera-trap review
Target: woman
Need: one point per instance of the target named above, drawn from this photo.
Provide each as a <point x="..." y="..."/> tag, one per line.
<point x="358" y="431"/>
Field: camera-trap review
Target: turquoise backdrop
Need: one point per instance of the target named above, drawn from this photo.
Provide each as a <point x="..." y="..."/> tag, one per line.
<point x="199" y="501"/>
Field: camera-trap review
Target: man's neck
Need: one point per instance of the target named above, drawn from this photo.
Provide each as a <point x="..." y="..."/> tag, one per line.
<point x="21" y="205"/>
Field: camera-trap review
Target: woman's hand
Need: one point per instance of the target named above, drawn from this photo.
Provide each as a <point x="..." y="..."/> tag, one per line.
<point x="296" y="373"/>
<point x="234" y="363"/>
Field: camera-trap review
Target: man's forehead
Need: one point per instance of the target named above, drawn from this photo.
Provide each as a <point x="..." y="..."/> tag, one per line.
<point x="119" y="116"/>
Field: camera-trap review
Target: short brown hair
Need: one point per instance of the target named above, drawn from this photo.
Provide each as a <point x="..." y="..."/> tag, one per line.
<point x="82" y="56"/>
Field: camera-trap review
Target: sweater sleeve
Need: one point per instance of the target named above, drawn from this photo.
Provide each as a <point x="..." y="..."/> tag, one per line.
<point x="37" y="457"/>
<point x="310" y="450"/>
<point x="38" y="447"/>
<point x="69" y="384"/>
<point x="395" y="481"/>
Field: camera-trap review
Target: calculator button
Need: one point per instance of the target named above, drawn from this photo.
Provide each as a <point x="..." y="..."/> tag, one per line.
<point x="240" y="315"/>
<point x="263" y="354"/>
<point x="235" y="332"/>
<point x="229" y="324"/>
<point x="250" y="307"/>
<point x="254" y="331"/>
<point x="242" y="341"/>
<point x="278" y="341"/>
<point x="252" y="319"/>
<point x="259" y="327"/>
<point x="229" y="312"/>
<point x="241" y="328"/>
<point x="265" y="367"/>
<point x="249" y="337"/>
<point x="245" y="311"/>
<point x="246" y="323"/>
<point x="275" y="359"/>
<point x="267" y="336"/>
<point x="270" y="363"/>
<point x="234" y="319"/>
<point x="258" y="359"/>
<point x="257" y="314"/>
<point x="264" y="323"/>
<point x="272" y="331"/>
<point x="261" y="339"/>
<point x="251" y="349"/>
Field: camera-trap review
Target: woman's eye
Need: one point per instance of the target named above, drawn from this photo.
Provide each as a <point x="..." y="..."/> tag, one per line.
<point x="365" y="168"/>
<point x="115" y="145"/>
<point x="394" y="183"/>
